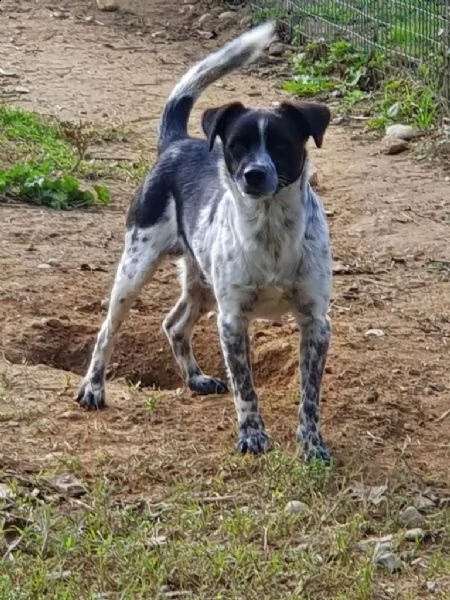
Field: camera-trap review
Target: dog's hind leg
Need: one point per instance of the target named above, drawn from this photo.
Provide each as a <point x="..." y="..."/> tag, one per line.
<point x="144" y="247"/>
<point x="194" y="301"/>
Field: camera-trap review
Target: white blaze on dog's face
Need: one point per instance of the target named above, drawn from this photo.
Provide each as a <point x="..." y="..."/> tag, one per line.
<point x="264" y="150"/>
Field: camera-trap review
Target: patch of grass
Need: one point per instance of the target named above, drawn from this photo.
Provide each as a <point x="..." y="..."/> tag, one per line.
<point x="39" y="160"/>
<point x="360" y="79"/>
<point x="226" y="536"/>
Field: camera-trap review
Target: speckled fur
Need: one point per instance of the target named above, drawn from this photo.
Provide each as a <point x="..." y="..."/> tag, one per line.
<point x="251" y="235"/>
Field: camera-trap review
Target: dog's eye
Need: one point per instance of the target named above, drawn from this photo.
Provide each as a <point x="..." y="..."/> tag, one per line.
<point x="237" y="148"/>
<point x="282" y="146"/>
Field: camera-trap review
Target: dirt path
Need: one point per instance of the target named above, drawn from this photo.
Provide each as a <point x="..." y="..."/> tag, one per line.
<point x="383" y="396"/>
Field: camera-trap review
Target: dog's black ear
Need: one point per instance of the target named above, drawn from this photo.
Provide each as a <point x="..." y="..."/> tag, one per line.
<point x="216" y="121"/>
<point x="310" y="118"/>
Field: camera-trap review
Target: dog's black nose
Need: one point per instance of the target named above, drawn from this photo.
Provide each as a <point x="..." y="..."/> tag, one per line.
<point x="255" y="177"/>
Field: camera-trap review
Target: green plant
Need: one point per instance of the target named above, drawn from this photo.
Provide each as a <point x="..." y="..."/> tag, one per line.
<point x="360" y="79"/>
<point x="40" y="157"/>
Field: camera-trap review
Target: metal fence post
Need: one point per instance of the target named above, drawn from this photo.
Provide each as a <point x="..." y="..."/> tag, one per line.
<point x="446" y="48"/>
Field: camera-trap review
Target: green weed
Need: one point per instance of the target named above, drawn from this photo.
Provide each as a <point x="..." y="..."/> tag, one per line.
<point x="225" y="536"/>
<point x="39" y="160"/>
<point x="361" y="79"/>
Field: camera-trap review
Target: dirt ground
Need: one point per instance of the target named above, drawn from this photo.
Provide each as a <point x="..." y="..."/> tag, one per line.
<point x="385" y="397"/>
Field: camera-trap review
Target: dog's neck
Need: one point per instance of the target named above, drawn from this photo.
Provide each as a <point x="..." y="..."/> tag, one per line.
<point x="268" y="230"/>
<point x="257" y="214"/>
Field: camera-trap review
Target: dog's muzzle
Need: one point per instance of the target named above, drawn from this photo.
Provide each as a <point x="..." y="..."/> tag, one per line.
<point x="259" y="180"/>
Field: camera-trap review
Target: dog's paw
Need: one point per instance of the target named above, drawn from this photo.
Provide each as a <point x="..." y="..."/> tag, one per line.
<point x="253" y="442"/>
<point x="204" y="385"/>
<point x="317" y="452"/>
<point x="91" y="396"/>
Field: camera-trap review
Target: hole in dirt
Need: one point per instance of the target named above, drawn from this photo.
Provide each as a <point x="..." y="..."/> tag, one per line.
<point x="142" y="352"/>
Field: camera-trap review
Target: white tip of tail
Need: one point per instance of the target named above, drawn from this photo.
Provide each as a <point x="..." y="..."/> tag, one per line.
<point x="259" y="38"/>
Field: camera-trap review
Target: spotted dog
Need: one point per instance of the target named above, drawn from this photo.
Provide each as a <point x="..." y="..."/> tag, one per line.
<point x="252" y="236"/>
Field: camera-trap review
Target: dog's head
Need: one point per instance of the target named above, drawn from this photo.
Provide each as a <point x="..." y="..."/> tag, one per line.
<point x="264" y="150"/>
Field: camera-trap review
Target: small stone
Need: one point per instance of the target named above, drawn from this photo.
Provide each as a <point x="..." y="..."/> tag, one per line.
<point x="431" y="587"/>
<point x="392" y="145"/>
<point x="68" y="484"/>
<point x="437" y="387"/>
<point x="5" y="491"/>
<point x="384" y="544"/>
<point x="53" y="262"/>
<point x="411" y="517"/>
<point x="44" y="266"/>
<point x="227" y="15"/>
<point x="340" y="120"/>
<point x="277" y="49"/>
<point x="388" y="561"/>
<point x="107" y="5"/>
<point x="59" y="575"/>
<point x="72" y="415"/>
<point x="402" y="132"/>
<point x="296" y="507"/>
<point x="60" y="14"/>
<point x="374" y="333"/>
<point x="414" y="535"/>
<point x="337" y="94"/>
<point x="20" y="89"/>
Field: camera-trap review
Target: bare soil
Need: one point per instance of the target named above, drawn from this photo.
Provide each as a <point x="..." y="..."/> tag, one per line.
<point x="384" y="396"/>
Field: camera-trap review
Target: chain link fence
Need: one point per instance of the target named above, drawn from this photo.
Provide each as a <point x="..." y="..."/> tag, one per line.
<point x="411" y="34"/>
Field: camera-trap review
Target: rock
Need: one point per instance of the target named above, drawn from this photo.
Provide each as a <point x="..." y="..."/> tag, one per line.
<point x="227" y="15"/>
<point x="277" y="49"/>
<point x="374" y="333"/>
<point x="431" y="586"/>
<point x="44" y="266"/>
<point x="68" y="484"/>
<point x="296" y="507"/>
<point x="385" y="544"/>
<point x="20" y="89"/>
<point x="340" y="120"/>
<point x="392" y="145"/>
<point x="107" y="5"/>
<point x="375" y="494"/>
<point x="411" y="517"/>
<point x="388" y="561"/>
<point x="337" y="94"/>
<point x="415" y="535"/>
<point x="424" y="503"/>
<point x="205" y="19"/>
<point x="402" y="132"/>
<point x="5" y="491"/>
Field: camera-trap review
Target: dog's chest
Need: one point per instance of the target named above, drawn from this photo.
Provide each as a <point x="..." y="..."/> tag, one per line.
<point x="271" y="302"/>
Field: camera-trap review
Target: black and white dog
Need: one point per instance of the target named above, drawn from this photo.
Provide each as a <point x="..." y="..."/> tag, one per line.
<point x="238" y="208"/>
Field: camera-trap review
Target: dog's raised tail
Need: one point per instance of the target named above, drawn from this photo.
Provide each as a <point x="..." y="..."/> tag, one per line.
<point x="239" y="52"/>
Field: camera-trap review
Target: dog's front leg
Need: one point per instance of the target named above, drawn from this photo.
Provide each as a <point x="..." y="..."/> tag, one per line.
<point x="234" y="341"/>
<point x="315" y="339"/>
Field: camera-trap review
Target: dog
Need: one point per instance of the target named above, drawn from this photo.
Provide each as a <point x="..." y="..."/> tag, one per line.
<point x="251" y="234"/>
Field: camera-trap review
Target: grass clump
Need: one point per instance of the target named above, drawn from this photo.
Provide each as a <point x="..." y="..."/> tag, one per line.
<point x="39" y="160"/>
<point x="357" y="78"/>
<point x="224" y="536"/>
